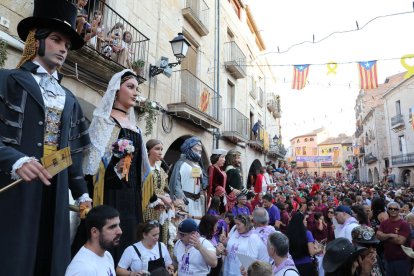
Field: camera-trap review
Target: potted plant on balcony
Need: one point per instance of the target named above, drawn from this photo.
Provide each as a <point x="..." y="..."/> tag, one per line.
<point x="3" y="53"/>
<point x="138" y="67"/>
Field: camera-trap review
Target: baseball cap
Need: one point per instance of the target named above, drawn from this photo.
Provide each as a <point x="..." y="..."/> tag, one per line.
<point x="345" y="209"/>
<point x="364" y="235"/>
<point x="187" y="226"/>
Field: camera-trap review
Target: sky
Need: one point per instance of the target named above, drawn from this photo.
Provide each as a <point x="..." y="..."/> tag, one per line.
<point x="328" y="100"/>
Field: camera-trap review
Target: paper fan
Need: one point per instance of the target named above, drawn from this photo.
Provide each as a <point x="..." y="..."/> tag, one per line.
<point x="408" y="251"/>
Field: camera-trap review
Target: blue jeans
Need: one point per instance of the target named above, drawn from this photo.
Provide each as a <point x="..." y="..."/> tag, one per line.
<point x="397" y="267"/>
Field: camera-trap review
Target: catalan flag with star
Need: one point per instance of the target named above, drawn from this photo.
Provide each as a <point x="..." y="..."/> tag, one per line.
<point x="300" y="75"/>
<point x="368" y="77"/>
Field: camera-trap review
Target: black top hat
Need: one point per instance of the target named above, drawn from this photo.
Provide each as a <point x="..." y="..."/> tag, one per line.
<point x="59" y="15"/>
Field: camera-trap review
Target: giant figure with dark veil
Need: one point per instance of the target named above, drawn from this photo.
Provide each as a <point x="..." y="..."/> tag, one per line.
<point x="40" y="117"/>
<point x="113" y="184"/>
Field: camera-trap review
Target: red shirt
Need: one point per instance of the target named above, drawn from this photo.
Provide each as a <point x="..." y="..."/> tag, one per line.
<point x="393" y="251"/>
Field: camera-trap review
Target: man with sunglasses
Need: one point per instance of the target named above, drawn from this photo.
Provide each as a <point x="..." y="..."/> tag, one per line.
<point x="394" y="232"/>
<point x="369" y="261"/>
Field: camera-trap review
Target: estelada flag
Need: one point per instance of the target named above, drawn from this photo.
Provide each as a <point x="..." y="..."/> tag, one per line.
<point x="368" y="77"/>
<point x="300" y="74"/>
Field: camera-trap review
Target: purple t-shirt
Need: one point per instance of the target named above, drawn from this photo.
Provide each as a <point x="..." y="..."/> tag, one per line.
<point x="306" y="259"/>
<point x="274" y="214"/>
<point x="240" y="210"/>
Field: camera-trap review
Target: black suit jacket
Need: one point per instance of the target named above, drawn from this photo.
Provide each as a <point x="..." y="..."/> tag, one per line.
<point x="22" y="123"/>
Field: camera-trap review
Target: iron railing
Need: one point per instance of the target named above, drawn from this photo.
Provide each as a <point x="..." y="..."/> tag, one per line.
<point x="370" y="158"/>
<point x="235" y="56"/>
<point x="359" y="131"/>
<point x="397" y="120"/>
<point x="113" y="37"/>
<point x="189" y="89"/>
<point x="403" y="159"/>
<point x="235" y="122"/>
<point x="200" y="10"/>
<point x="260" y="99"/>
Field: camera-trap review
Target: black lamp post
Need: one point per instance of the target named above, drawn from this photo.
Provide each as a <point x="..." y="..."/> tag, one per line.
<point x="275" y="139"/>
<point x="180" y="47"/>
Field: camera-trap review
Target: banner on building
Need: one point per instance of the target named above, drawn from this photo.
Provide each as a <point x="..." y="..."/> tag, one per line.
<point x="313" y="158"/>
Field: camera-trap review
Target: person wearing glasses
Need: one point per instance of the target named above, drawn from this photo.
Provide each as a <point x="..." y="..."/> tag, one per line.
<point x="193" y="254"/>
<point x="147" y="255"/>
<point x="394" y="232"/>
<point x="243" y="241"/>
<point x="370" y="262"/>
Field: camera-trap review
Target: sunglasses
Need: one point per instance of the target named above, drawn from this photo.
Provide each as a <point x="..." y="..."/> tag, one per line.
<point x="331" y="212"/>
<point x="153" y="222"/>
<point x="393" y="209"/>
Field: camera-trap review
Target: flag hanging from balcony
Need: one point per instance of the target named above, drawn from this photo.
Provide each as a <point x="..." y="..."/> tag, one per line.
<point x="368" y="77"/>
<point x="300" y="75"/>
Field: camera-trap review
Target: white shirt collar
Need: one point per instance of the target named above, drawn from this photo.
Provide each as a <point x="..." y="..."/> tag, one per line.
<point x="42" y="70"/>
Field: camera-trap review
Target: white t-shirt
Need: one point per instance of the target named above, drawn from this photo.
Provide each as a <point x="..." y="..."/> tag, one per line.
<point x="130" y="258"/>
<point x="250" y="245"/>
<point x="87" y="263"/>
<point x="190" y="260"/>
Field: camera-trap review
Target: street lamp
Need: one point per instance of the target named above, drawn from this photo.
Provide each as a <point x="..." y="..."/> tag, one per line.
<point x="180" y="47"/>
<point x="275" y="139"/>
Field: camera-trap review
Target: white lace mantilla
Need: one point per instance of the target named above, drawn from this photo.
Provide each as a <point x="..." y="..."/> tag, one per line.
<point x="101" y="127"/>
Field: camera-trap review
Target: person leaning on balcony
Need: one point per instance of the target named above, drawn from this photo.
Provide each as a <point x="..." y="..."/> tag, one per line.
<point x="256" y="129"/>
<point x="40" y="117"/>
<point x="124" y="55"/>
<point x="82" y="24"/>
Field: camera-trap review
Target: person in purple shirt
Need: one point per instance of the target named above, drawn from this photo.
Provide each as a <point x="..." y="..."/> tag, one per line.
<point x="240" y="208"/>
<point x="272" y="210"/>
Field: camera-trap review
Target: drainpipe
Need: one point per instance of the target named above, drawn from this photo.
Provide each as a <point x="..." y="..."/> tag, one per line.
<point x="216" y="132"/>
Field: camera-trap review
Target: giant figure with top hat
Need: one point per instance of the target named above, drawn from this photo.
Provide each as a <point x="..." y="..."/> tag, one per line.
<point x="38" y="118"/>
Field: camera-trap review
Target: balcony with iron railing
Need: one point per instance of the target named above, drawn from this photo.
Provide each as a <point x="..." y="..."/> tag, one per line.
<point x="259" y="140"/>
<point x="276" y="150"/>
<point x="361" y="151"/>
<point x="359" y="131"/>
<point x="397" y="122"/>
<point x="370" y="158"/>
<point x="403" y="159"/>
<point x="234" y="60"/>
<point x="112" y="44"/>
<point x="194" y="100"/>
<point x="260" y="98"/>
<point x="235" y="125"/>
<point x="196" y="12"/>
<point x="253" y="92"/>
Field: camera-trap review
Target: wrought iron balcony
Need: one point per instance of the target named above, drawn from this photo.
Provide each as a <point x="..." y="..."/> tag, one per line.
<point x="277" y="151"/>
<point x="361" y="151"/>
<point x="403" y="159"/>
<point x="397" y="122"/>
<point x="370" y="158"/>
<point x="359" y="131"/>
<point x="260" y="140"/>
<point x="194" y="100"/>
<point x="112" y="44"/>
<point x="235" y="60"/>
<point x="235" y="125"/>
<point x="196" y="12"/>
<point x="260" y="99"/>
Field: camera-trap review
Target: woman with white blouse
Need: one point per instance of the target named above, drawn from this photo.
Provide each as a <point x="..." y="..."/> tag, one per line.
<point x="146" y="255"/>
<point x="243" y="241"/>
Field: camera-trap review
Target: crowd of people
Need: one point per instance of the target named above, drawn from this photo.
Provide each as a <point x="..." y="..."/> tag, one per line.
<point x="141" y="216"/>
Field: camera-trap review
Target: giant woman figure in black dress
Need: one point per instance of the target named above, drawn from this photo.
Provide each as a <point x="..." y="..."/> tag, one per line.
<point x="114" y="119"/>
